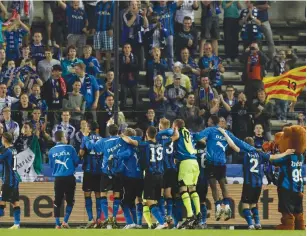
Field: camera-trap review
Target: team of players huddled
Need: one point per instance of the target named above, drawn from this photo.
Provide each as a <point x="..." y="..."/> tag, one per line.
<point x="160" y="175"/>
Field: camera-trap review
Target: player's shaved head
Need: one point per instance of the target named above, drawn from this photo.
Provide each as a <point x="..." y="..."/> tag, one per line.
<point x="139" y="132"/>
<point x="59" y="135"/>
<point x="151" y="132"/>
<point x="179" y="123"/>
<point x="165" y="123"/>
<point x="129" y="132"/>
<point x="113" y="130"/>
<point x="250" y="141"/>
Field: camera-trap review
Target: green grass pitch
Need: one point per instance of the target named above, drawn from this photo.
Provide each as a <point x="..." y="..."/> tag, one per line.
<point x="79" y="232"/>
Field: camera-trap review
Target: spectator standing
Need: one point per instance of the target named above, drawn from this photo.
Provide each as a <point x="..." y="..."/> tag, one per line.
<point x="150" y="119"/>
<point x="241" y="118"/>
<point x="186" y="38"/>
<point x="90" y="9"/>
<point x="175" y="94"/>
<point x="205" y="94"/>
<point x="10" y="125"/>
<point x="36" y="99"/>
<point x="103" y="38"/>
<point x="66" y="127"/>
<point x="25" y="54"/>
<point x="258" y="136"/>
<point x="91" y="63"/>
<point x="13" y="36"/>
<point x="250" y="23"/>
<point x="59" y="28"/>
<point x="129" y="70"/>
<point x="77" y="25"/>
<point x="5" y="100"/>
<point x="3" y="14"/>
<point x="155" y="66"/>
<point x="184" y="80"/>
<point x="191" y="113"/>
<point x="189" y="67"/>
<point x="231" y="28"/>
<point x="133" y="21"/>
<point x="167" y="13"/>
<point x="107" y="88"/>
<point x="68" y="66"/>
<point x="89" y="89"/>
<point x="186" y="9"/>
<point x="210" y="24"/>
<point x="253" y="71"/>
<point x="157" y="97"/>
<point x="37" y="48"/>
<point x="53" y="92"/>
<point x="263" y="112"/>
<point x="45" y="66"/>
<point x="105" y="114"/>
<point x="74" y="103"/>
<point x="263" y="16"/>
<point x="211" y="66"/>
<point x="231" y="100"/>
<point x="22" y="109"/>
<point x="48" y="15"/>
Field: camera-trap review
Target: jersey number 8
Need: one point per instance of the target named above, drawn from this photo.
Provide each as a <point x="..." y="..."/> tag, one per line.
<point x="156" y="154"/>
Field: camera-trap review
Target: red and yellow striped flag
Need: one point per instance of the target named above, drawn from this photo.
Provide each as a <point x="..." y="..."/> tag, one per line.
<point x="287" y="86"/>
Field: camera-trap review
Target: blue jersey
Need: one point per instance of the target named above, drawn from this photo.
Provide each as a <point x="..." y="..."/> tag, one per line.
<point x="168" y="148"/>
<point x="153" y="156"/>
<point x="204" y="63"/>
<point x="259" y="142"/>
<point x="104" y="15"/>
<point x="184" y="148"/>
<point x="132" y="166"/>
<point x="92" y="70"/>
<point x="91" y="159"/>
<point x="63" y="159"/>
<point x="88" y="89"/>
<point x="38" y="52"/>
<point x="13" y="42"/>
<point x="201" y="158"/>
<point x="75" y="19"/>
<point x="290" y="174"/>
<point x="166" y="15"/>
<point x="217" y="145"/>
<point x="253" y="173"/>
<point x="9" y="173"/>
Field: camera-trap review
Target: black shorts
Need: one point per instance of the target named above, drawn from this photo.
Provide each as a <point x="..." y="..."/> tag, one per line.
<point x="202" y="190"/>
<point x="113" y="183"/>
<point x="91" y="182"/>
<point x="132" y="188"/>
<point x="9" y="194"/>
<point x="216" y="172"/>
<point x="64" y="187"/>
<point x="250" y="195"/>
<point x="170" y="178"/>
<point x="289" y="202"/>
<point x="152" y="186"/>
<point x="210" y="28"/>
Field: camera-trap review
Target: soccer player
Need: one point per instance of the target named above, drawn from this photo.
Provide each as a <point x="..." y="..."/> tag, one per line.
<point x="113" y="151"/>
<point x="92" y="176"/>
<point x="153" y="163"/>
<point x="253" y="175"/>
<point x="63" y="159"/>
<point x="188" y="173"/>
<point x="9" y="189"/>
<point x="170" y="169"/>
<point x="216" y="164"/>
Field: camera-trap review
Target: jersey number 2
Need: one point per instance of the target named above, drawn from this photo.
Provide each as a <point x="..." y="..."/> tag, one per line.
<point x="253" y="168"/>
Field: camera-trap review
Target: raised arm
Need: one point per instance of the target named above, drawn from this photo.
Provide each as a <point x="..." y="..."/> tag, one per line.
<point x="281" y="155"/>
<point x="229" y="140"/>
<point x="130" y="141"/>
<point x="62" y="4"/>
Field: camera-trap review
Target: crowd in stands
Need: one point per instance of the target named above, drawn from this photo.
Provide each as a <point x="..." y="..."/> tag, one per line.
<point x="69" y="80"/>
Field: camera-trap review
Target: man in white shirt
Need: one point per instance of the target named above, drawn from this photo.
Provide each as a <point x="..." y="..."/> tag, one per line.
<point x="187" y="9"/>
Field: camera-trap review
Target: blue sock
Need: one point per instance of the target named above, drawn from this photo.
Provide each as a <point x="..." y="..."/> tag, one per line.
<point x="248" y="216"/>
<point x="115" y="206"/>
<point x="156" y="213"/>
<point x="104" y="207"/>
<point x="161" y="203"/>
<point x="88" y="207"/>
<point x="169" y="206"/>
<point x="67" y="213"/>
<point x="16" y="215"/>
<point x="57" y="221"/>
<point x="255" y="215"/>
<point x="179" y="205"/>
<point x="226" y="201"/>
<point x="133" y="213"/>
<point x="139" y="213"/>
<point x="1" y="211"/>
<point x="98" y="207"/>
<point x="203" y="210"/>
<point x="127" y="215"/>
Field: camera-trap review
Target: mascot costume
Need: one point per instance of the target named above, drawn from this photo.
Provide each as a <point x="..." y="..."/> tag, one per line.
<point x="290" y="180"/>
